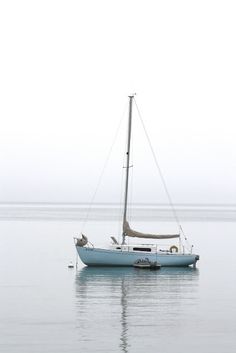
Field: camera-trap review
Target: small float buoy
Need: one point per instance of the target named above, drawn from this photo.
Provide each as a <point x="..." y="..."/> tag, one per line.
<point x="71" y="265"/>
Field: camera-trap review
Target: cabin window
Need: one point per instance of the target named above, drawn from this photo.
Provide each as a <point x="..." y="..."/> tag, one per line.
<point x="118" y="248"/>
<point x="142" y="249"/>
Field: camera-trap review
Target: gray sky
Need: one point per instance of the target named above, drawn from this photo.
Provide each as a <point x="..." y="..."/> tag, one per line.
<point x="66" y="68"/>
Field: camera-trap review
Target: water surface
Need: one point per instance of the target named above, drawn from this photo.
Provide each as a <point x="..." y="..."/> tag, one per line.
<point x="46" y="307"/>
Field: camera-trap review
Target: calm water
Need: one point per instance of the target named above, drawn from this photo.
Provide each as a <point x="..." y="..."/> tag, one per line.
<point x="46" y="307"/>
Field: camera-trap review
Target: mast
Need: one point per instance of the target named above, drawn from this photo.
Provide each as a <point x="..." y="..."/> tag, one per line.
<point x="127" y="163"/>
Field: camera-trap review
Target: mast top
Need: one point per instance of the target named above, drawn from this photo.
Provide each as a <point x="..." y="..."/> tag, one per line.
<point x="132" y="95"/>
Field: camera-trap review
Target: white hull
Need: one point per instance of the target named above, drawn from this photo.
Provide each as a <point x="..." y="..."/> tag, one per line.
<point x="107" y="257"/>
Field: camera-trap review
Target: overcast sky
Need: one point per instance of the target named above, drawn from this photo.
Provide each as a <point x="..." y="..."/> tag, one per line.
<point x="66" y="68"/>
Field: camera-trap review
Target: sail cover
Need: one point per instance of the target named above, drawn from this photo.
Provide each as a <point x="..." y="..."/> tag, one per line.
<point x="133" y="233"/>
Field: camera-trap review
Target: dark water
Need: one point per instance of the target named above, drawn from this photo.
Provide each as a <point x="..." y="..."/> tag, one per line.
<point x="46" y="307"/>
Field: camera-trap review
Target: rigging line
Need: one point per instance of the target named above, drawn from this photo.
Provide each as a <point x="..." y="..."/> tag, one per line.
<point x="120" y="213"/>
<point x="160" y="173"/>
<point x="130" y="203"/>
<point x="131" y="206"/>
<point x="103" y="170"/>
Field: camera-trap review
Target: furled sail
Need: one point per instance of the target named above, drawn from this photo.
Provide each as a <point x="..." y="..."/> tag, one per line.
<point x="133" y="233"/>
<point x="82" y="241"/>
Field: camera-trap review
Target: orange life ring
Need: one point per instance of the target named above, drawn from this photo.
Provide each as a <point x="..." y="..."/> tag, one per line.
<point x="174" y="248"/>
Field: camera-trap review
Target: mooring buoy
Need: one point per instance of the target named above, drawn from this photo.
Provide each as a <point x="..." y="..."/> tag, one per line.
<point x="71" y="265"/>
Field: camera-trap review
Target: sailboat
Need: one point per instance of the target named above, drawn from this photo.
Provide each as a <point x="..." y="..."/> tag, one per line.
<point x="123" y="254"/>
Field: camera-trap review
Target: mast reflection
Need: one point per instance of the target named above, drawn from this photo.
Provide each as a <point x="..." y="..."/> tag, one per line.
<point x="124" y="324"/>
<point x="111" y="301"/>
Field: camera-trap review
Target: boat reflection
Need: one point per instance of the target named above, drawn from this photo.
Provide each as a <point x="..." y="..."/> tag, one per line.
<point x="113" y="303"/>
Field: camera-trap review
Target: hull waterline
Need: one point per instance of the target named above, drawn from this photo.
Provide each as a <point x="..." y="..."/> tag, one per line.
<point x="107" y="257"/>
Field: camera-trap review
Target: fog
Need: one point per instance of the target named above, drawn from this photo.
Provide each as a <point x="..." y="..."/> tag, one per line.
<point x="66" y="70"/>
